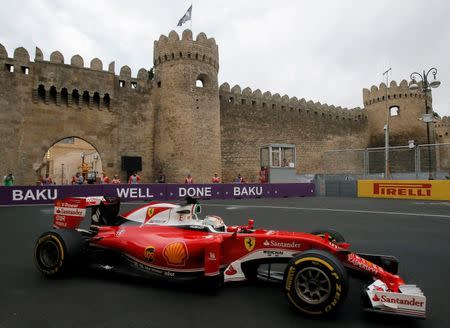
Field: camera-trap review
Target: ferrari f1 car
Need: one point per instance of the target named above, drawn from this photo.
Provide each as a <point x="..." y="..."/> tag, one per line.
<point x="170" y="241"/>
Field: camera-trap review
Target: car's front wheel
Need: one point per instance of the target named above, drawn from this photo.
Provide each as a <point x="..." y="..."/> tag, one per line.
<point x="315" y="282"/>
<point x="333" y="235"/>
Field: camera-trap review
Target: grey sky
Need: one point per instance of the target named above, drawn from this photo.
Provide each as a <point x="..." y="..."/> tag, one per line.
<point x="320" y="50"/>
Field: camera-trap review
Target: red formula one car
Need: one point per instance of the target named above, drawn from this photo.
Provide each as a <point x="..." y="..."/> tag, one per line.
<point x="170" y="241"/>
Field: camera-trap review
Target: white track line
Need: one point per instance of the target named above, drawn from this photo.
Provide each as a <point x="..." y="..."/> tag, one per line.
<point x="235" y="206"/>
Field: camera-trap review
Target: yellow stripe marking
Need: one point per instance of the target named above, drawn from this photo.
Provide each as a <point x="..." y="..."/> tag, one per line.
<point x="315" y="259"/>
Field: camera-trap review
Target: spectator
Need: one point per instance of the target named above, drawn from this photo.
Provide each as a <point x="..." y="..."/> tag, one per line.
<point x="239" y="179"/>
<point x="285" y="163"/>
<point x="189" y="179"/>
<point x="47" y="180"/>
<point x="161" y="178"/>
<point x="264" y="175"/>
<point x="74" y="179"/>
<point x="79" y="178"/>
<point x="8" y="180"/>
<point x="134" y="178"/>
<point x="216" y="178"/>
<point x="104" y="178"/>
<point x="116" y="179"/>
<point x="448" y="176"/>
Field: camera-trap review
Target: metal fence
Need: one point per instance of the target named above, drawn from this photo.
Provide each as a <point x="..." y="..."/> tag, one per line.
<point x="404" y="162"/>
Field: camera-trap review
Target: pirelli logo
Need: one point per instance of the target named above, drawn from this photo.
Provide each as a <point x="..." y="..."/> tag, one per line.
<point x="402" y="189"/>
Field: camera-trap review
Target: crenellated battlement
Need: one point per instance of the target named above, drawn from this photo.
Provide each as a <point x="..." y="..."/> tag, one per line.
<point x="21" y="56"/>
<point x="442" y="123"/>
<point x="377" y="94"/>
<point x="268" y="101"/>
<point x="171" y="48"/>
<point x="74" y="84"/>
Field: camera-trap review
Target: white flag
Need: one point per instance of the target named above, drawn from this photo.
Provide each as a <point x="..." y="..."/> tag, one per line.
<point x="185" y="17"/>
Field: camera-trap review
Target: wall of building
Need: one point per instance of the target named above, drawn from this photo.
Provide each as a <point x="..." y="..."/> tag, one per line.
<point x="442" y="130"/>
<point x="250" y="119"/>
<point x="180" y="128"/>
<point x="187" y="116"/>
<point x="406" y="126"/>
<point x="39" y="107"/>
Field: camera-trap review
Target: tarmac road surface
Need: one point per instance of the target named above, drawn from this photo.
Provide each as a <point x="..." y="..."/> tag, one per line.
<point x="417" y="232"/>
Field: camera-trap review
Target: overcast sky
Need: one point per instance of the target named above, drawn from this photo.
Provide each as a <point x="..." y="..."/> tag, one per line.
<point x="320" y="50"/>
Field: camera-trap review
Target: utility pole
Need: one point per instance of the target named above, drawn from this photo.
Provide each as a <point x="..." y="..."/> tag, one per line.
<point x="386" y="128"/>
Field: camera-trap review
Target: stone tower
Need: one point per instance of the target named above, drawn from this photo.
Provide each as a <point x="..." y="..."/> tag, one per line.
<point x="187" y="118"/>
<point x="406" y="124"/>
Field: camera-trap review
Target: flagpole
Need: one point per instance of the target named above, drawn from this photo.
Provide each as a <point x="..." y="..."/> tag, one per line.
<point x="192" y="5"/>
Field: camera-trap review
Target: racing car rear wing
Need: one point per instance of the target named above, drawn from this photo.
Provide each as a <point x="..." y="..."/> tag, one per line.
<point x="70" y="212"/>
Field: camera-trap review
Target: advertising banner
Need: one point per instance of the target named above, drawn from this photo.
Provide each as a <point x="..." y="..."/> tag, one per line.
<point x="247" y="191"/>
<point x="135" y="192"/>
<point x="18" y="195"/>
<point x="200" y="191"/>
<point x="405" y="189"/>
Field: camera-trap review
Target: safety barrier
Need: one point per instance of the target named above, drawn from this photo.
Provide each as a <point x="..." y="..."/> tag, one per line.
<point x="17" y="195"/>
<point x="405" y="189"/>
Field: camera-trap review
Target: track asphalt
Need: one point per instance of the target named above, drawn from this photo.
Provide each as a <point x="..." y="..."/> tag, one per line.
<point x="416" y="232"/>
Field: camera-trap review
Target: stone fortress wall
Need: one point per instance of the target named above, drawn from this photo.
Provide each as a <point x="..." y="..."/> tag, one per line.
<point x="178" y="126"/>
<point x="406" y="124"/>
<point x="264" y="118"/>
<point x="45" y="101"/>
<point x="187" y="138"/>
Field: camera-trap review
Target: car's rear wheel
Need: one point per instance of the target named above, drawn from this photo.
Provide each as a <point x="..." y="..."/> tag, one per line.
<point x="334" y="236"/>
<point x="58" y="251"/>
<point x="315" y="282"/>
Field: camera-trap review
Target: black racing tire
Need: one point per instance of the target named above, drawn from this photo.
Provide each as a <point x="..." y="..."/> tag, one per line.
<point x="315" y="283"/>
<point x="58" y="252"/>
<point x="335" y="236"/>
<point x="213" y="284"/>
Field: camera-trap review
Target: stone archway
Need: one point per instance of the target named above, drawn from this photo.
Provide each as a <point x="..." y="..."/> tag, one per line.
<point x="66" y="157"/>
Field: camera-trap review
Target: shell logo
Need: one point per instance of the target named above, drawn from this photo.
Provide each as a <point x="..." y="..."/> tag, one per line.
<point x="176" y="253"/>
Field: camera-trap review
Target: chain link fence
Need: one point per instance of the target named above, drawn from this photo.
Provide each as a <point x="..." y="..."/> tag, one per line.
<point x="418" y="162"/>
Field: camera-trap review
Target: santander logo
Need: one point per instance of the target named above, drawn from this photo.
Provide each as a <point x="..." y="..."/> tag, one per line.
<point x="231" y="271"/>
<point x="375" y="298"/>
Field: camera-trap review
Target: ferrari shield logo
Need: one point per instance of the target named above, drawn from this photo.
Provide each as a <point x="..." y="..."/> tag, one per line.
<point x="150" y="212"/>
<point x="249" y="243"/>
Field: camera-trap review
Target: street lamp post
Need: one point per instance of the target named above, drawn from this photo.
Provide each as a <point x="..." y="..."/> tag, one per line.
<point x="420" y="81"/>
<point x="386" y="129"/>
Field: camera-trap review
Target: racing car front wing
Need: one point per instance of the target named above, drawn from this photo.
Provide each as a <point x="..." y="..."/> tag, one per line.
<point x="409" y="301"/>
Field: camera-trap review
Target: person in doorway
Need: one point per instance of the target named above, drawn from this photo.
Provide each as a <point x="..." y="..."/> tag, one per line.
<point x="79" y="178"/>
<point x="216" y="178"/>
<point x="8" y="180"/>
<point x="134" y="178"/>
<point x="116" y="179"/>
<point x="189" y="179"/>
<point x="104" y="178"/>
